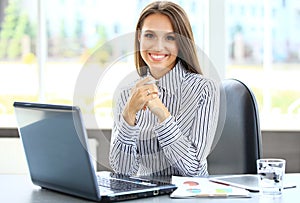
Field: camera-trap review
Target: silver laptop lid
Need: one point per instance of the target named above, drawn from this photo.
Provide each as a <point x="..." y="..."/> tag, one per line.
<point x="52" y="134"/>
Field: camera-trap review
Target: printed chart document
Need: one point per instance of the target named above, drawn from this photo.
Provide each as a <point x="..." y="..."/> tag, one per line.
<point x="197" y="187"/>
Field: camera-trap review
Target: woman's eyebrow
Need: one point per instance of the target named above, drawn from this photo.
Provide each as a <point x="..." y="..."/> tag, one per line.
<point x="171" y="33"/>
<point x="159" y="31"/>
<point x="148" y="31"/>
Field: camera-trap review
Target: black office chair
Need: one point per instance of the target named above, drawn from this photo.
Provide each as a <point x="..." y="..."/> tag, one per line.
<point x="240" y="143"/>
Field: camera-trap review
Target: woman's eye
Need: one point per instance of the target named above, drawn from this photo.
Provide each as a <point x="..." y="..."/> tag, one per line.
<point x="149" y="35"/>
<point x="171" y="38"/>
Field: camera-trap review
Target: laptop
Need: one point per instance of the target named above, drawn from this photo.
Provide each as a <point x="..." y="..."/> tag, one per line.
<point x="57" y="152"/>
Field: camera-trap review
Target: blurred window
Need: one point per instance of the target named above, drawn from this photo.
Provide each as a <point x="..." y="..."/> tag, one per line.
<point x="264" y="52"/>
<point x="45" y="44"/>
<point x="18" y="61"/>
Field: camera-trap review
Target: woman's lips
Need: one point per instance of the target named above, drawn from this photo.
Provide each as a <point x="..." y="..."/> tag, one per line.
<point x="157" y="57"/>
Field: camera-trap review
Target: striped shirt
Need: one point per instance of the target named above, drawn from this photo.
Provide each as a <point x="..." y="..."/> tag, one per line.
<point x="180" y="144"/>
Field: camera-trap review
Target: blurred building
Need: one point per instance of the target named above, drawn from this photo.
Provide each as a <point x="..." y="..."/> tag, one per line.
<point x="244" y="23"/>
<point x="245" y="29"/>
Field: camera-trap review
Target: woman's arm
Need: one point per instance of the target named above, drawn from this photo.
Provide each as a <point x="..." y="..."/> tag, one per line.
<point x="123" y="155"/>
<point x="124" y="158"/>
<point x="186" y="140"/>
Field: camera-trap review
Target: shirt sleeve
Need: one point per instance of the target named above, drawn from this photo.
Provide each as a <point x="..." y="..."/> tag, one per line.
<point x="123" y="157"/>
<point x="186" y="140"/>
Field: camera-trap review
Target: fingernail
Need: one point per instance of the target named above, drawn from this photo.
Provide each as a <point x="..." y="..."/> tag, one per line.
<point x="154" y="94"/>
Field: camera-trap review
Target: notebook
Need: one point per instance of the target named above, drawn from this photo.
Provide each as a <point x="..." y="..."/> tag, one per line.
<point x="55" y="144"/>
<point x="245" y="181"/>
<point x="249" y="182"/>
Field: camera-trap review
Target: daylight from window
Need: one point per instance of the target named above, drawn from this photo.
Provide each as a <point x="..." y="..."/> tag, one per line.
<point x="45" y="44"/>
<point x="264" y="52"/>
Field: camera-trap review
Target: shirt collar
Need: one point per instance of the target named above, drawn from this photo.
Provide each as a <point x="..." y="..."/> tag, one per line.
<point x="172" y="80"/>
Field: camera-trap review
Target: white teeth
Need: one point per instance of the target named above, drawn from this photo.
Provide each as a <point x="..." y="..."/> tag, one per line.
<point x="157" y="56"/>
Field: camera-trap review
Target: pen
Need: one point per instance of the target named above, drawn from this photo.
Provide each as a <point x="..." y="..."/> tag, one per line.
<point x="289" y="187"/>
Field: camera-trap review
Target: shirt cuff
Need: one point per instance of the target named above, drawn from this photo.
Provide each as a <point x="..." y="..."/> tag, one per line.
<point x="167" y="132"/>
<point x="128" y="134"/>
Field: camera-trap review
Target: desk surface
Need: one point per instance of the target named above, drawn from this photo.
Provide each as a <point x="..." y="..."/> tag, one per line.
<point x="19" y="189"/>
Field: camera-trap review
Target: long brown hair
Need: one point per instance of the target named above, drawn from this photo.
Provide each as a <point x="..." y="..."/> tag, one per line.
<point x="187" y="49"/>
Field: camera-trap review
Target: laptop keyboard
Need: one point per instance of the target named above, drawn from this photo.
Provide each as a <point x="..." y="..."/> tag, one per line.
<point x="124" y="185"/>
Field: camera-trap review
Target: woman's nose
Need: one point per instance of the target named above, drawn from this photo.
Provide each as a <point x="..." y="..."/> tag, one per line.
<point x="159" y="45"/>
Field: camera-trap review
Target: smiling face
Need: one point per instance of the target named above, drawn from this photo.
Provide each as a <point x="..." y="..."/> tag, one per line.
<point x="158" y="44"/>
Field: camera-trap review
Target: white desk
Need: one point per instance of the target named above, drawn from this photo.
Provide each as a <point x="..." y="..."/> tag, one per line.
<point x="19" y="189"/>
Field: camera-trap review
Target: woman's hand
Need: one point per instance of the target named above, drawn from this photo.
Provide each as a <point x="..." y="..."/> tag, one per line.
<point x="159" y="109"/>
<point x="144" y="91"/>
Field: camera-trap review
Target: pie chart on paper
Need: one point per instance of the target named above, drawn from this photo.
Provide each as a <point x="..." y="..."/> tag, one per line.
<point x="194" y="190"/>
<point x="191" y="183"/>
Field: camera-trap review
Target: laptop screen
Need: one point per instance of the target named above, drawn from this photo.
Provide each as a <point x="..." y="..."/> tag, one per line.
<point x="55" y="146"/>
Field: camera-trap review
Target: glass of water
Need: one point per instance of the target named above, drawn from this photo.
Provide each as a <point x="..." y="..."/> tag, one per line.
<point x="271" y="172"/>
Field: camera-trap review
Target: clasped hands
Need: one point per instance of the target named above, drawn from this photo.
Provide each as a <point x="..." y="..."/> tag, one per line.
<point x="144" y="95"/>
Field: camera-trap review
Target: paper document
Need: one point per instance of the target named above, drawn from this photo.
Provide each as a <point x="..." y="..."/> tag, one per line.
<point x="193" y="187"/>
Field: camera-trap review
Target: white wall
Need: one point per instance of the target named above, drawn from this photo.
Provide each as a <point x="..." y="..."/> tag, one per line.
<point x="12" y="156"/>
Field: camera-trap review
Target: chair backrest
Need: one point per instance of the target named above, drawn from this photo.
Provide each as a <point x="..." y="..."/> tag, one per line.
<point x="240" y="143"/>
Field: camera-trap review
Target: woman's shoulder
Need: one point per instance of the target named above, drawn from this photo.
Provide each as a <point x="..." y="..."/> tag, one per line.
<point x="196" y="81"/>
<point x="197" y="87"/>
<point x="128" y="82"/>
<point x="122" y="91"/>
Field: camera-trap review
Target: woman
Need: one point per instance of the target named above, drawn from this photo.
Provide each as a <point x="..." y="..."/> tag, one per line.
<point x="165" y="123"/>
